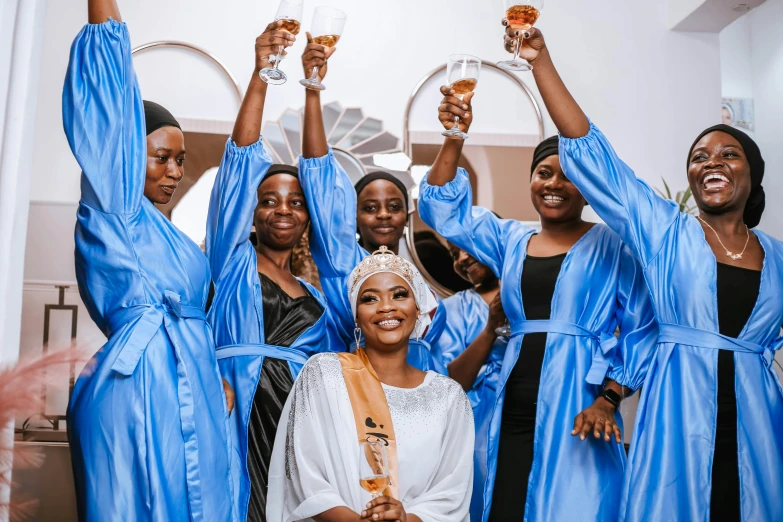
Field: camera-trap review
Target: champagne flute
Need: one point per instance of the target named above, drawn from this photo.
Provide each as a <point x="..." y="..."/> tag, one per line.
<point x="290" y="13"/>
<point x="462" y="75"/>
<point x="328" y="25"/>
<point x="373" y="467"/>
<point x="521" y="15"/>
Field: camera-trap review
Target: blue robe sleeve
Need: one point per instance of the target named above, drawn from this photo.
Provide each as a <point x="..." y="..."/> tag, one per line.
<point x="453" y="340"/>
<point x="476" y="230"/>
<point x="627" y="204"/>
<point x="234" y="198"/>
<point x="331" y="200"/>
<point x="103" y="118"/>
<point x="638" y="328"/>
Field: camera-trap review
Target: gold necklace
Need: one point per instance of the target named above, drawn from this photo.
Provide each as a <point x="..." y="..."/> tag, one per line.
<point x="729" y="253"/>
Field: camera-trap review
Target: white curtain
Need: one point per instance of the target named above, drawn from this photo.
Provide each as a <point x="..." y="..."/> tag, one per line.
<point x="21" y="38"/>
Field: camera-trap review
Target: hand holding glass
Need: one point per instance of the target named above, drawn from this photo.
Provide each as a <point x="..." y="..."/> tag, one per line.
<point x="521" y="15"/>
<point x="463" y="75"/>
<point x="289" y="13"/>
<point x="328" y="25"/>
<point x="373" y="467"/>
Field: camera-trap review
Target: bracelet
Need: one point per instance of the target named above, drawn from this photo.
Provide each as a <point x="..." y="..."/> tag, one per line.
<point x="612" y="397"/>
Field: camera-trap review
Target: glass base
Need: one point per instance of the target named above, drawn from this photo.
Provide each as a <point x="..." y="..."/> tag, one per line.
<point x="515" y="65"/>
<point x="313" y="85"/>
<point x="273" y="76"/>
<point x="455" y="134"/>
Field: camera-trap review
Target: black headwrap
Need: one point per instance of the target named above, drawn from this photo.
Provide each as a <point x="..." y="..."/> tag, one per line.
<point x="754" y="207"/>
<point x="156" y="117"/>
<point x="548" y="147"/>
<point x="279" y="168"/>
<point x="373" y="176"/>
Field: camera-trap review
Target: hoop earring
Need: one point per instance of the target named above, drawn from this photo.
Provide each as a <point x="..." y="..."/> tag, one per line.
<point x="357" y="335"/>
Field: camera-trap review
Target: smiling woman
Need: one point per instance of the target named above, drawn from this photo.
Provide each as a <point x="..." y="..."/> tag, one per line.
<point x="712" y="406"/>
<point x="422" y="419"/>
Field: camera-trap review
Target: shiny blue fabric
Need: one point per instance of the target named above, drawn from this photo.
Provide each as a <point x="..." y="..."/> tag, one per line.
<point x="599" y="289"/>
<point x="331" y="199"/>
<point x="670" y="464"/>
<point x="466" y="317"/>
<point x="237" y="313"/>
<point x="147" y="421"/>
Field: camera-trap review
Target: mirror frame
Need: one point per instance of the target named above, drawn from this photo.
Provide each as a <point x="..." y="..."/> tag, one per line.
<point x="407" y="148"/>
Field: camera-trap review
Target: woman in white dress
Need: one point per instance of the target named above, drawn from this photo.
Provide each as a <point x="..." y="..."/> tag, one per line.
<point x="340" y="399"/>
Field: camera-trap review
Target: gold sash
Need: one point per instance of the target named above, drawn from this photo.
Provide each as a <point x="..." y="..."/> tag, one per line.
<point x="370" y="409"/>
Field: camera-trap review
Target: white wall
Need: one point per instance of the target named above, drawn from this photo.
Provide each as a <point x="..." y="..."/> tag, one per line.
<point x="736" y="64"/>
<point x="767" y="60"/>
<point x="650" y="90"/>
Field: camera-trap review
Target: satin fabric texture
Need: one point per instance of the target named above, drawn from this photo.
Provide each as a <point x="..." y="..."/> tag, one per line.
<point x="147" y="421"/>
<point x="466" y="316"/>
<point x="331" y="199"/>
<point x="599" y="289"/>
<point x="236" y="315"/>
<point x="670" y="463"/>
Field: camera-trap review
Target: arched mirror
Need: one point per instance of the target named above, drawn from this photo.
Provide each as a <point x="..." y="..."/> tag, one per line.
<point x="507" y="127"/>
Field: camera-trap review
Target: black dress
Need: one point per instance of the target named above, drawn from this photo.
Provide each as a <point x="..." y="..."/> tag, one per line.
<point x="518" y="424"/>
<point x="738" y="290"/>
<point x="285" y="318"/>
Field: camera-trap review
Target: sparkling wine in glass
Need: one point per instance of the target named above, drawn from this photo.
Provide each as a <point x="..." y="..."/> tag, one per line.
<point x="289" y="12"/>
<point x="328" y="25"/>
<point x="462" y="75"/>
<point x="373" y="467"/>
<point x="521" y="16"/>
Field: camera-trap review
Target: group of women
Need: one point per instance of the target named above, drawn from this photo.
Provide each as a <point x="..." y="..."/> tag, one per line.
<point x="254" y="409"/>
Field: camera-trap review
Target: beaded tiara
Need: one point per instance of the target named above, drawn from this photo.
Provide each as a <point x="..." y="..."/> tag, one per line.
<point x="382" y="260"/>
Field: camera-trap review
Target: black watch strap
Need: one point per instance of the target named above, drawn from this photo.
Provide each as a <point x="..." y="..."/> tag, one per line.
<point x="612" y="397"/>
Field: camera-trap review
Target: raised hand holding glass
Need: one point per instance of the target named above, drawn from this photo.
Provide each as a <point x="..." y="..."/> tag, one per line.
<point x="521" y="15"/>
<point x="328" y="25"/>
<point x="289" y="13"/>
<point x="462" y="75"/>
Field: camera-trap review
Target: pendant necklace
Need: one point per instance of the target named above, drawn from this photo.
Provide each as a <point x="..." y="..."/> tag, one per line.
<point x="729" y="253"/>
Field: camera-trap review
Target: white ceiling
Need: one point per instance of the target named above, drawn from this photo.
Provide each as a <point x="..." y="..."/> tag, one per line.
<point x="707" y="16"/>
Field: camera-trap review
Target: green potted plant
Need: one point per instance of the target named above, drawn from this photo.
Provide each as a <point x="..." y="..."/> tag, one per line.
<point x="681" y="198"/>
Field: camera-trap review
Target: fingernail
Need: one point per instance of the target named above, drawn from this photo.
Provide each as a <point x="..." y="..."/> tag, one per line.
<point x="527" y="35"/>
<point x="464" y="107"/>
<point x="582" y="437"/>
<point x="517" y="33"/>
<point x="368" y="505"/>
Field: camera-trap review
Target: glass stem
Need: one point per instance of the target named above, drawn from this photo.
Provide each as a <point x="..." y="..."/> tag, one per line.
<point x="314" y="76"/>
<point x="516" y="49"/>
<point x="277" y="58"/>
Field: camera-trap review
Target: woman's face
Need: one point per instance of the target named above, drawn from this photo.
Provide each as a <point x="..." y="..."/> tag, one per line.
<point x="381" y="215"/>
<point x="281" y="215"/>
<point x="165" y="164"/>
<point x="554" y="197"/>
<point x="719" y="173"/>
<point x="386" y="311"/>
<point x="468" y="268"/>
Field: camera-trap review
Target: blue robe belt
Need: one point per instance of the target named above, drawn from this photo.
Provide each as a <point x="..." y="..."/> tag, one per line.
<point x="675" y="333"/>
<point x="262" y="350"/>
<point x="606" y="342"/>
<point x="150" y="318"/>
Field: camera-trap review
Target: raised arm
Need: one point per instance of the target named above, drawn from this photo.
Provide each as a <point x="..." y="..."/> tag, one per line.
<point x="445" y="167"/>
<point x="103" y="113"/>
<point x="244" y="163"/>
<point x="99" y="11"/>
<point x="628" y="205"/>
<point x="314" y="143"/>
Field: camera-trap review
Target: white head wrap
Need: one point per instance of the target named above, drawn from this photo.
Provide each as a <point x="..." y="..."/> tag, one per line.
<point x="384" y="260"/>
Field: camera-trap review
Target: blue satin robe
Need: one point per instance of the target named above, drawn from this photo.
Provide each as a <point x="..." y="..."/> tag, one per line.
<point x="331" y="199"/>
<point x="599" y="289"/>
<point x="147" y="421"/>
<point x="237" y="313"/>
<point x="466" y="317"/>
<point x="670" y="464"/>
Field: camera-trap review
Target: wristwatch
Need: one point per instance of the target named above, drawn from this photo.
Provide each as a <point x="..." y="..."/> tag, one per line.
<point x="612" y="397"/>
